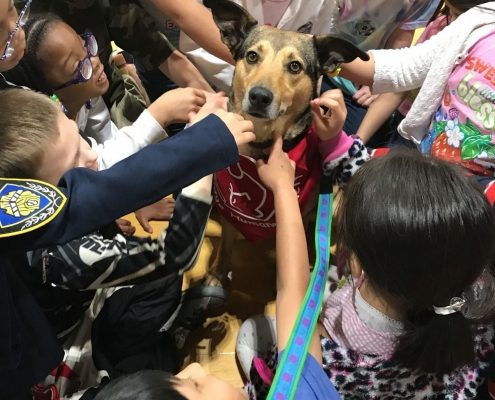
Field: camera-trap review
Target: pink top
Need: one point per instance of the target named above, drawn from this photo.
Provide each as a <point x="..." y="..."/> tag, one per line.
<point x="353" y="323"/>
<point x="462" y="130"/>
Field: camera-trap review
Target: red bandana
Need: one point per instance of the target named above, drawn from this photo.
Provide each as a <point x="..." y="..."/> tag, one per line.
<point x="248" y="205"/>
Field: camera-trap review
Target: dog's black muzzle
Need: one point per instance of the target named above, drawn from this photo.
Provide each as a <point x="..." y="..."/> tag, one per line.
<point x="259" y="101"/>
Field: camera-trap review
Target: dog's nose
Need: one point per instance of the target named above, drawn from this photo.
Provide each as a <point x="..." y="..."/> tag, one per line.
<point x="259" y="97"/>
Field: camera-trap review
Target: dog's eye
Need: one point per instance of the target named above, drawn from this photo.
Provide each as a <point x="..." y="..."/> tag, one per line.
<point x="252" y="57"/>
<point x="295" y="67"/>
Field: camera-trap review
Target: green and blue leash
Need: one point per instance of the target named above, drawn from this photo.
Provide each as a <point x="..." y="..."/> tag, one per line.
<point x="289" y="370"/>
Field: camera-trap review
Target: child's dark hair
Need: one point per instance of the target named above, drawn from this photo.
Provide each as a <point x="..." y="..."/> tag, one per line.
<point x="423" y="233"/>
<point x="142" y="385"/>
<point x="460" y="5"/>
<point x="29" y="72"/>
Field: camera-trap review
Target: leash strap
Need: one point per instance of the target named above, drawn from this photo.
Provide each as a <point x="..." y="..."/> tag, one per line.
<point x="291" y="365"/>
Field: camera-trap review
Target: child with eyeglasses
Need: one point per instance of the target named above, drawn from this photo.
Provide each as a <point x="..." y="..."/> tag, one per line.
<point x="28" y="345"/>
<point x="12" y="37"/>
<point x="59" y="61"/>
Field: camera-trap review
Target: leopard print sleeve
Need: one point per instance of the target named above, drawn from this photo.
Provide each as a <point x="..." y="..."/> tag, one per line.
<point x="345" y="166"/>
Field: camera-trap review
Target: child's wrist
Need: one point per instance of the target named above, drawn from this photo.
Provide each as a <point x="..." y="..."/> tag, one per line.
<point x="282" y="187"/>
<point x="159" y="114"/>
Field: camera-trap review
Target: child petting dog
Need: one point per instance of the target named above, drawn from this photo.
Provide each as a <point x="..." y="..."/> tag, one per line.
<point x="408" y="318"/>
<point x="29" y="348"/>
<point x="59" y="61"/>
<point x="452" y="116"/>
<point x="39" y="140"/>
<point x="278" y="174"/>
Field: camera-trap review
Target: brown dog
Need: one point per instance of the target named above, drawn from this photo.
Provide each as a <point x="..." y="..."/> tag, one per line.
<point x="276" y="76"/>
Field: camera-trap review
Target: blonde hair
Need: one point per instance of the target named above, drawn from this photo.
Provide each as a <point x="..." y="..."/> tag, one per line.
<point x="28" y="124"/>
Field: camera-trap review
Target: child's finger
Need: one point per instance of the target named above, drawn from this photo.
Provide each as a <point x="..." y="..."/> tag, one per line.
<point x="144" y="224"/>
<point x="318" y="111"/>
<point x="334" y="102"/>
<point x="260" y="162"/>
<point x="277" y="141"/>
<point x="335" y="94"/>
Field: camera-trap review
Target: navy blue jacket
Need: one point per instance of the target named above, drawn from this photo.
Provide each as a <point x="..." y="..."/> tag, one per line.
<point x="28" y="348"/>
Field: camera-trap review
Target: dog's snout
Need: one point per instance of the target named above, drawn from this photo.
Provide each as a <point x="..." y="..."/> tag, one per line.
<point x="260" y="98"/>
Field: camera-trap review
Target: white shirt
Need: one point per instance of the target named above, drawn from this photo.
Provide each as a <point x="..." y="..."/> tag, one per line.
<point x="318" y="17"/>
<point x="111" y="143"/>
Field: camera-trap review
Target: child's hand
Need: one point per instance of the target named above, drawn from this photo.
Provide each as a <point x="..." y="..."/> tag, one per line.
<point x="279" y="170"/>
<point x="160" y="211"/>
<point x="364" y="96"/>
<point x="242" y="129"/>
<point x="330" y="122"/>
<point x="178" y="105"/>
<point x="125" y="226"/>
<point x="214" y="102"/>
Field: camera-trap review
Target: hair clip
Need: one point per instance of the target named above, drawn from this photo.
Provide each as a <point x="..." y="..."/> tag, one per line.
<point x="335" y="72"/>
<point x="456" y="304"/>
<point x="56" y="99"/>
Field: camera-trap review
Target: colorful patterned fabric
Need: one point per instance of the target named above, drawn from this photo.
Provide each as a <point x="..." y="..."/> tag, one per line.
<point x="361" y="376"/>
<point x="462" y="129"/>
<point x="313" y="384"/>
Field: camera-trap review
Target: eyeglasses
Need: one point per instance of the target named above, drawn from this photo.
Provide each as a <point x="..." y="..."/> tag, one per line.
<point x="85" y="68"/>
<point x="21" y="21"/>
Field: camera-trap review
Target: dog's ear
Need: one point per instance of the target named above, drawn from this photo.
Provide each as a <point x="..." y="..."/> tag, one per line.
<point x="332" y="51"/>
<point x="234" y="23"/>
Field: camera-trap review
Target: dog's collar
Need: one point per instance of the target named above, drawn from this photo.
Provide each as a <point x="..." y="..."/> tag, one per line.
<point x="287" y="145"/>
<point x="261" y="145"/>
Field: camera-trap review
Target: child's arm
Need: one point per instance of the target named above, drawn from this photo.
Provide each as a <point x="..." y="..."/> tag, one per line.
<point x="177" y="105"/>
<point x="196" y="21"/>
<point x="183" y="72"/>
<point x="96" y="261"/>
<point x="341" y="154"/>
<point x="98" y="198"/>
<point x="292" y="253"/>
<point x="329" y="120"/>
<point x="378" y="112"/>
<point x="113" y="144"/>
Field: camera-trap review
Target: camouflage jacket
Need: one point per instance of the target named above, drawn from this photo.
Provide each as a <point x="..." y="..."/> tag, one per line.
<point x="123" y="21"/>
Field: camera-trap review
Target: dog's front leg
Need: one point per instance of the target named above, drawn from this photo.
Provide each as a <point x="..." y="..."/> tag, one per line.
<point x="222" y="264"/>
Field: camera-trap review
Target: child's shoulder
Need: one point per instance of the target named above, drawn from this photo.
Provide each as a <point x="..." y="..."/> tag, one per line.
<point x="379" y="377"/>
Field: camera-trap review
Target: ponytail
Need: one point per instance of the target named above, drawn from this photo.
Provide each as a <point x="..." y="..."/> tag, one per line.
<point x="435" y="343"/>
<point x="440" y="343"/>
<point x="423" y="233"/>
